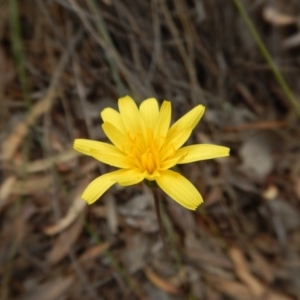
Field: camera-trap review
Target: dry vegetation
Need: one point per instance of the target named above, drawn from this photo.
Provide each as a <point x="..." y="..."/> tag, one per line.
<point x="61" y="63"/>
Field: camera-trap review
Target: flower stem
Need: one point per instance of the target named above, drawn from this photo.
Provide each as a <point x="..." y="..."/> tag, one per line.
<point x="157" y="200"/>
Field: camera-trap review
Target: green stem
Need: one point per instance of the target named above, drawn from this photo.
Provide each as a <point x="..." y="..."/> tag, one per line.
<point x="165" y="226"/>
<point x="157" y="200"/>
<point x="16" y="39"/>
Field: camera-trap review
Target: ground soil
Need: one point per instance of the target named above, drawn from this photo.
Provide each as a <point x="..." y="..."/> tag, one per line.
<point x="61" y="63"/>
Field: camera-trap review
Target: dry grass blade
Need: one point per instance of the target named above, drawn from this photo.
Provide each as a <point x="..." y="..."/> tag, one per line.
<point x="184" y="55"/>
<point x="76" y="208"/>
<point x="47" y="163"/>
<point x="132" y="81"/>
<point x="11" y="143"/>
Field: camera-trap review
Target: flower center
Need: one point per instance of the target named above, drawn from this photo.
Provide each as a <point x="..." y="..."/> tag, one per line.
<point x="144" y="152"/>
<point x="148" y="163"/>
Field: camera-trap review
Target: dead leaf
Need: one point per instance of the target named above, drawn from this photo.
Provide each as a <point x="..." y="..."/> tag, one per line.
<point x="236" y="290"/>
<point x="276" y="17"/>
<point x="6" y="188"/>
<point x="94" y="252"/>
<point x="262" y="266"/>
<point x="258" y="290"/>
<point x="64" y="242"/>
<point x="161" y="283"/>
<point x="243" y="273"/>
<point x="51" y="290"/>
<point x="292" y="41"/>
<point x="77" y="206"/>
<point x="256" y="154"/>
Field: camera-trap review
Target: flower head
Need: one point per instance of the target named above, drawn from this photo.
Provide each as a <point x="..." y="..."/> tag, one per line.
<point x="144" y="146"/>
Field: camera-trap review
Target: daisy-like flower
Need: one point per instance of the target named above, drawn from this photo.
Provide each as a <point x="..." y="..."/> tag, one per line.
<point x="145" y="147"/>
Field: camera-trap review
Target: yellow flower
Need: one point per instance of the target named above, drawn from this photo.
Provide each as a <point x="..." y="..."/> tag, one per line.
<point x="144" y="146"/>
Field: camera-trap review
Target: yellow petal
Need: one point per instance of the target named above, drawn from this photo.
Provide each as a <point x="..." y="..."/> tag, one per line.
<point x="189" y="120"/>
<point x="170" y="162"/>
<point x="84" y="146"/>
<point x="129" y="177"/>
<point x="179" y="189"/>
<point x="172" y="144"/>
<point x="201" y="152"/>
<point x="149" y="112"/>
<point x="112" y="116"/>
<point x="113" y="158"/>
<point x="163" y="121"/>
<point x="98" y="186"/>
<point x="129" y="113"/>
<point x="115" y="136"/>
<point x="103" y="152"/>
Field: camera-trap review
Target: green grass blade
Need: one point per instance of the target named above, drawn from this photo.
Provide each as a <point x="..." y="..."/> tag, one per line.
<point x="16" y="40"/>
<point x="260" y="44"/>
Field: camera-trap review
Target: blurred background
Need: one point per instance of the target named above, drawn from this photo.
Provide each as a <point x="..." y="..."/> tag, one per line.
<point x="62" y="62"/>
